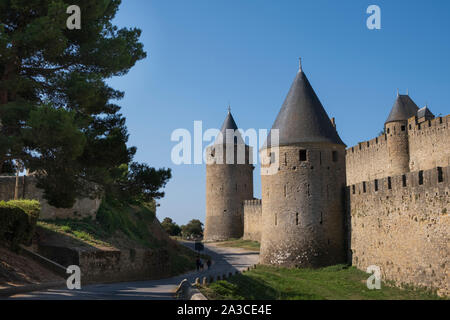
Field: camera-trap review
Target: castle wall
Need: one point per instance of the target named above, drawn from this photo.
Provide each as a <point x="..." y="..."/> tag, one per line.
<point x="402" y="225"/>
<point x="367" y="160"/>
<point x="429" y="143"/>
<point x="82" y="208"/>
<point x="252" y="220"/>
<point x="302" y="207"/>
<point x="421" y="146"/>
<point x="227" y="186"/>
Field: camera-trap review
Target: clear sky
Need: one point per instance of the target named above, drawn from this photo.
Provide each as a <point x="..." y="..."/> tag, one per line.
<point x="205" y="54"/>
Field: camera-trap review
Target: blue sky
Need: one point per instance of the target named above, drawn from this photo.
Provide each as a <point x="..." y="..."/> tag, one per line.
<point x="205" y="54"/>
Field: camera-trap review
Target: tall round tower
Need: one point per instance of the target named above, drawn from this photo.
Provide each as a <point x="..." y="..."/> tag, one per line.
<point x="229" y="181"/>
<point x="396" y="130"/>
<point x="303" y="184"/>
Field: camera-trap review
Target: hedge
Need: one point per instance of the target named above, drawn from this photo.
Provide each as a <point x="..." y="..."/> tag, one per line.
<point x="18" y="221"/>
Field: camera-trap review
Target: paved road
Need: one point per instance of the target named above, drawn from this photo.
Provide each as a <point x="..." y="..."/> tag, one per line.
<point x="225" y="260"/>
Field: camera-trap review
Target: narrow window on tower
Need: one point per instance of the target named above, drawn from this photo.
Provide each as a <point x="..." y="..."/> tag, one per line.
<point x="285" y="159"/>
<point x="276" y="218"/>
<point x="404" y="180"/>
<point x="403" y="128"/>
<point x="335" y="156"/>
<point x="440" y="175"/>
<point x="320" y="157"/>
<point x="420" y="177"/>
<point x="376" y="185"/>
<point x="321" y="218"/>
<point x="285" y="191"/>
<point x="296" y="218"/>
<point x="302" y="155"/>
<point x="389" y="183"/>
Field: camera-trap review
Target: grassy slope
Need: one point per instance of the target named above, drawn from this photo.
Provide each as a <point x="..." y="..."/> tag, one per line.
<point x="331" y="283"/>
<point x="122" y="226"/>
<point x="240" y="243"/>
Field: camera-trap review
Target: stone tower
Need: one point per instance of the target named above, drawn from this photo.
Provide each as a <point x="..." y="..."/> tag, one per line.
<point x="303" y="201"/>
<point x="229" y="181"/>
<point x="396" y="129"/>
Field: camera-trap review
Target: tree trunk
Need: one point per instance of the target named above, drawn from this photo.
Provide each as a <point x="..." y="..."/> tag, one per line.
<point x="16" y="189"/>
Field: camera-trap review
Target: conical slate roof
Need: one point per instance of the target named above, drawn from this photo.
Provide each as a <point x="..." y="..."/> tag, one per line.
<point x="425" y="113"/>
<point x="403" y="109"/>
<point x="302" y="117"/>
<point x="229" y="124"/>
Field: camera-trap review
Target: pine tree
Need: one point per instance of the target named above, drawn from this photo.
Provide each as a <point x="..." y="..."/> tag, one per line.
<point x="56" y="113"/>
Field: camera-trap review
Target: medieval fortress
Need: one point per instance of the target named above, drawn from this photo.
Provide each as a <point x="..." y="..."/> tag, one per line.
<point x="383" y="202"/>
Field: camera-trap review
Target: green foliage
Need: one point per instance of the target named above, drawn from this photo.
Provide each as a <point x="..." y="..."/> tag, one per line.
<point x="193" y="229"/>
<point x="57" y="114"/>
<point x="112" y="217"/>
<point x="58" y="142"/>
<point x="171" y="227"/>
<point x="338" y="282"/>
<point x="116" y="216"/>
<point x="86" y="230"/>
<point x="122" y="225"/>
<point x="139" y="183"/>
<point x="18" y="221"/>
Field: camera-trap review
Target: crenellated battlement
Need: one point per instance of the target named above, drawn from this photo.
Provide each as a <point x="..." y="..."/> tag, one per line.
<point x="419" y="144"/>
<point x="401" y="224"/>
<point x="415" y="124"/>
<point x="361" y="147"/>
<point x="254" y="202"/>
<point x="410" y="181"/>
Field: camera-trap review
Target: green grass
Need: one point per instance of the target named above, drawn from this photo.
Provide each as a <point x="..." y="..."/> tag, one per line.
<point x="87" y="231"/>
<point x="114" y="220"/>
<point x="332" y="283"/>
<point x="122" y="225"/>
<point x="240" y="243"/>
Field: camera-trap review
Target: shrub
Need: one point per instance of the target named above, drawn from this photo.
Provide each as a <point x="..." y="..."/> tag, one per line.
<point x="18" y="221"/>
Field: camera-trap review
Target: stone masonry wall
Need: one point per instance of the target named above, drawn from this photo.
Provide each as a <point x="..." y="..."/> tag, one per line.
<point x="429" y="143"/>
<point x="227" y="186"/>
<point x="367" y="160"/>
<point x="402" y="225"/>
<point x="303" y="206"/>
<point x="428" y="147"/>
<point x="82" y="208"/>
<point x="110" y="264"/>
<point x="252" y="220"/>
